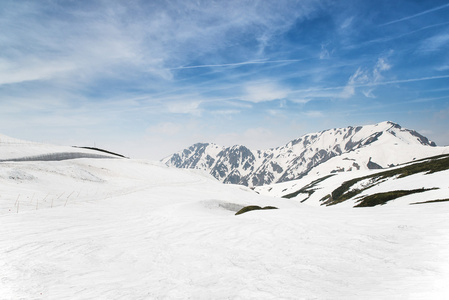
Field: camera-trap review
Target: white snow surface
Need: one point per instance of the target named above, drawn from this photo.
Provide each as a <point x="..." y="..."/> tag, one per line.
<point x="134" y="229"/>
<point x="11" y="148"/>
<point x="437" y="186"/>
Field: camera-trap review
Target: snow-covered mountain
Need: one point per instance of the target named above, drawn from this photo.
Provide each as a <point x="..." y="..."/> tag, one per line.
<point x="335" y="150"/>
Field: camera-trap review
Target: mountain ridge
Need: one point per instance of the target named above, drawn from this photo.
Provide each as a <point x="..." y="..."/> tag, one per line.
<point x="347" y="149"/>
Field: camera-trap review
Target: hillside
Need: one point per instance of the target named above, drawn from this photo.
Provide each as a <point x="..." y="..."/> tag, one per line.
<point x="421" y="181"/>
<point x="12" y="149"/>
<point x="367" y="147"/>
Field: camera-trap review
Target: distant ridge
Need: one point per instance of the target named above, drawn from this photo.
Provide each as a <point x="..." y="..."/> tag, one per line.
<point x="329" y="151"/>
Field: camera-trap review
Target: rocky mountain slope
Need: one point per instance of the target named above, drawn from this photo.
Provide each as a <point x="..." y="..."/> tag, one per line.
<point x="366" y="147"/>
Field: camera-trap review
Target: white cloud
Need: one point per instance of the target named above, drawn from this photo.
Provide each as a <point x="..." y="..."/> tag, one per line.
<point x="366" y="77"/>
<point x="28" y="70"/>
<point x="346" y="23"/>
<point x="348" y="91"/>
<point x="369" y="93"/>
<point x="434" y="43"/>
<point x="417" y="15"/>
<point x="359" y="77"/>
<point x="225" y="112"/>
<point x="442" y="68"/>
<point x="300" y="100"/>
<point x="261" y="92"/>
<point x="381" y="66"/>
<point x="325" y="53"/>
<point x="314" y="114"/>
<point x="275" y="112"/>
<point x="185" y="107"/>
<point x="237" y="64"/>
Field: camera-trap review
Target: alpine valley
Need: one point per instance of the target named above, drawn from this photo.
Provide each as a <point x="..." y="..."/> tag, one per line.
<point x="368" y="147"/>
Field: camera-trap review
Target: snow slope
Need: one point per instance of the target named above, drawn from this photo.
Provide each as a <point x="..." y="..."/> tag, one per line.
<point x="15" y="149"/>
<point x="335" y="150"/>
<point x="133" y="229"/>
<point x="127" y="229"/>
<point x="313" y="189"/>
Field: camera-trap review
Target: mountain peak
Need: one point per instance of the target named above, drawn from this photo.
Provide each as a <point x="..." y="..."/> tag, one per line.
<point x="395" y="125"/>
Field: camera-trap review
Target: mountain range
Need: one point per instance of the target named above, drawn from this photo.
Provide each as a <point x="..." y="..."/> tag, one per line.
<point x="377" y="146"/>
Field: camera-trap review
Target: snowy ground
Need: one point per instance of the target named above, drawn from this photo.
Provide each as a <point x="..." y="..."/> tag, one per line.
<point x="127" y="229"/>
<point x="437" y="184"/>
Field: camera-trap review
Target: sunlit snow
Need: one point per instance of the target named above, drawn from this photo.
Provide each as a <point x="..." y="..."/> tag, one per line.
<point x="134" y="229"/>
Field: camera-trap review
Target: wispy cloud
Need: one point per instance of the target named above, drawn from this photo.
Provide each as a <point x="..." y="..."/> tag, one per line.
<point x="127" y="37"/>
<point x="408" y="80"/>
<point x="364" y="77"/>
<point x="240" y="64"/>
<point x="347" y="22"/>
<point x="325" y="53"/>
<point x="261" y="92"/>
<point x="442" y="68"/>
<point x="369" y="93"/>
<point x="381" y="65"/>
<point x="359" y="77"/>
<point x="225" y="112"/>
<point x="416" y="15"/>
<point x="30" y="70"/>
<point x="185" y="107"/>
<point x="321" y="92"/>
<point x="386" y="39"/>
<point x="314" y="114"/>
<point x="434" y="43"/>
<point x="423" y="100"/>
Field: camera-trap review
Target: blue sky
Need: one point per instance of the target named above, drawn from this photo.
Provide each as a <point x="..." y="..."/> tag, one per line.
<point x="148" y="78"/>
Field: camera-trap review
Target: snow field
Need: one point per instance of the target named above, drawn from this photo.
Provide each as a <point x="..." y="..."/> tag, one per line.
<point x="38" y="185"/>
<point x="166" y="233"/>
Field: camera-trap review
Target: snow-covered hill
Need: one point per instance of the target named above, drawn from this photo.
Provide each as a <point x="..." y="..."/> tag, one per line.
<point x="133" y="229"/>
<point x="336" y="150"/>
<point x="12" y="149"/>
<point x="418" y="182"/>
